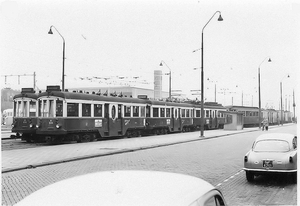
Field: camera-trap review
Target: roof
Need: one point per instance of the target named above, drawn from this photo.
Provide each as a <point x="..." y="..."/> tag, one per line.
<point x="276" y="136"/>
<point x="122" y="188"/>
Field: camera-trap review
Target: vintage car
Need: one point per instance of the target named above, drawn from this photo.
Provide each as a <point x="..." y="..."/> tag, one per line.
<point x="272" y="153"/>
<point x="128" y="188"/>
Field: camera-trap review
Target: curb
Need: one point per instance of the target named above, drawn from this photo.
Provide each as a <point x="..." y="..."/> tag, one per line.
<point x="117" y="152"/>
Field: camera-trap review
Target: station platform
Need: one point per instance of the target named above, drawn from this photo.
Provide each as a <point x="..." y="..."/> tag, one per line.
<point x="19" y="159"/>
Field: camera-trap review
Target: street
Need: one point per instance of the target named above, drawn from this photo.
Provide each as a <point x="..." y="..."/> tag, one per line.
<point x="217" y="160"/>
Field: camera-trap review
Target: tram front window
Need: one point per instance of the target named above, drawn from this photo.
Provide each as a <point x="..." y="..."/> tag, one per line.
<point x="32" y="108"/>
<point x="59" y="108"/>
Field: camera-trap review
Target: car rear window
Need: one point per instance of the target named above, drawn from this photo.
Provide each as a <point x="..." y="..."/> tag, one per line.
<point x="271" y="146"/>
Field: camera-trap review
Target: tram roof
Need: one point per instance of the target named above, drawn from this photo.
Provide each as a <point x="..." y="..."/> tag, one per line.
<point x="27" y="95"/>
<point x="84" y="96"/>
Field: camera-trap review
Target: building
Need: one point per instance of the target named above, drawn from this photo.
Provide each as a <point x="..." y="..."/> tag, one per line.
<point x="126" y="91"/>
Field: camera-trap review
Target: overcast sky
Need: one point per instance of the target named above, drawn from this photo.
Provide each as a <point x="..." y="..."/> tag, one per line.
<point x="124" y="41"/>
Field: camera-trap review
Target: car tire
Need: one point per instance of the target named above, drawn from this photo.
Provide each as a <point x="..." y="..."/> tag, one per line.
<point x="249" y="176"/>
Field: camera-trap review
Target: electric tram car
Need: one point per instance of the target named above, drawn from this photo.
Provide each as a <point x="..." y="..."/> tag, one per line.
<point x="251" y="115"/>
<point x="24" y="114"/>
<point x="81" y="117"/>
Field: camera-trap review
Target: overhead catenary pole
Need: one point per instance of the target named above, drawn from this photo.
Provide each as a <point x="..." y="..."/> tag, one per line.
<point x="202" y="75"/>
<point x="259" y="97"/>
<point x="63" y="63"/>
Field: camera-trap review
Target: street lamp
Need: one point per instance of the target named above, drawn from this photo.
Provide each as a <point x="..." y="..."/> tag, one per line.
<point x="281" y="118"/>
<point x="161" y="64"/>
<point x="259" y="100"/>
<point x="202" y="75"/>
<point x="63" y="67"/>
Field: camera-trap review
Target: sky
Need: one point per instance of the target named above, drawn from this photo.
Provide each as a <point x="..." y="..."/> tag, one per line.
<point x="122" y="42"/>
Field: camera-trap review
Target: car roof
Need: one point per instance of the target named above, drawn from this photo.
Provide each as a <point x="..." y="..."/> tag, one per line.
<point x="128" y="187"/>
<point x="276" y="136"/>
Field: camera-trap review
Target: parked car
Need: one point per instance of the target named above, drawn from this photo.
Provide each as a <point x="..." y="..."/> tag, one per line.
<point x="272" y="153"/>
<point x="128" y="188"/>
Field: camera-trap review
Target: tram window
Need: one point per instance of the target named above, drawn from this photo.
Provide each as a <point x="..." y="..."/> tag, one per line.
<point x="45" y="109"/>
<point x="187" y="113"/>
<point x="127" y="110"/>
<point x="59" y="108"/>
<point x="168" y="114"/>
<point x="198" y="113"/>
<point x="72" y="109"/>
<point x="51" y="108"/>
<point x="113" y="112"/>
<point x="97" y="110"/>
<point x="32" y="108"/>
<point x="148" y="111"/>
<point x="19" y="112"/>
<point x="15" y="108"/>
<point x="206" y="113"/>
<point x="40" y="108"/>
<point x="143" y="110"/>
<point x="119" y="111"/>
<point x="162" y="112"/>
<point x="86" y="110"/>
<point x="135" y="110"/>
<point x="155" y="112"/>
<point x="25" y="109"/>
<point x="183" y="113"/>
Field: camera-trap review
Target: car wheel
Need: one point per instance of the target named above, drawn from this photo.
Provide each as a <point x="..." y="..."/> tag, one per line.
<point x="249" y="176"/>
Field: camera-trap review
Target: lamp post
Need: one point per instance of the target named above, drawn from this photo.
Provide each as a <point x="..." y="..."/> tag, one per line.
<point x="161" y="64"/>
<point x="281" y="110"/>
<point x="63" y="67"/>
<point x="202" y="75"/>
<point x="259" y="98"/>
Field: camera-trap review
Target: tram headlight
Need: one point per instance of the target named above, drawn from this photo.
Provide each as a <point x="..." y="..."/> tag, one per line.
<point x="31" y="125"/>
<point x="37" y="126"/>
<point x="58" y="126"/>
<point x="12" y="125"/>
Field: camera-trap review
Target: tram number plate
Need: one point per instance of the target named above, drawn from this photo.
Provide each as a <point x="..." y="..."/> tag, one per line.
<point x="267" y="163"/>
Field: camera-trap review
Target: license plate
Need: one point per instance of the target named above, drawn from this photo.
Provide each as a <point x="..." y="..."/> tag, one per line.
<point x="267" y="163"/>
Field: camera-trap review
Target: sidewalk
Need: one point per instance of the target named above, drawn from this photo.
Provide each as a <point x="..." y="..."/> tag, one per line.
<point x="34" y="157"/>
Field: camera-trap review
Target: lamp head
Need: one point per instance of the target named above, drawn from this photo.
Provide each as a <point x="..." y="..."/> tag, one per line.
<point x="161" y="64"/>
<point x="50" y="31"/>
<point x="288" y="76"/>
<point x="220" y="18"/>
<point x="269" y="60"/>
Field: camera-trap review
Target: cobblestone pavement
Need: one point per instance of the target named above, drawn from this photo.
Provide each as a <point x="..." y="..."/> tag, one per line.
<point x="218" y="161"/>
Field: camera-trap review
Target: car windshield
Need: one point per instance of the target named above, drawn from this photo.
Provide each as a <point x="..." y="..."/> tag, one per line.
<point x="271" y="146"/>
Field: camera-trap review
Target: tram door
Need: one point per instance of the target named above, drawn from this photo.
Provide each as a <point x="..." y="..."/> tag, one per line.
<point x="176" y="119"/>
<point x="114" y="119"/>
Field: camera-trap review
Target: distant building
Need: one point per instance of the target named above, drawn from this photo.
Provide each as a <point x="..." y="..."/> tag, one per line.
<point x="158" y="84"/>
<point x="126" y="91"/>
<point x="7" y="95"/>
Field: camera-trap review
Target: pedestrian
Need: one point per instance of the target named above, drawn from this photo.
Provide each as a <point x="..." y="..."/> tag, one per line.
<point x="263" y="125"/>
<point x="267" y="125"/>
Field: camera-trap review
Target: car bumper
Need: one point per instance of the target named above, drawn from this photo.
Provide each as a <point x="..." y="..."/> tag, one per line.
<point x="269" y="170"/>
